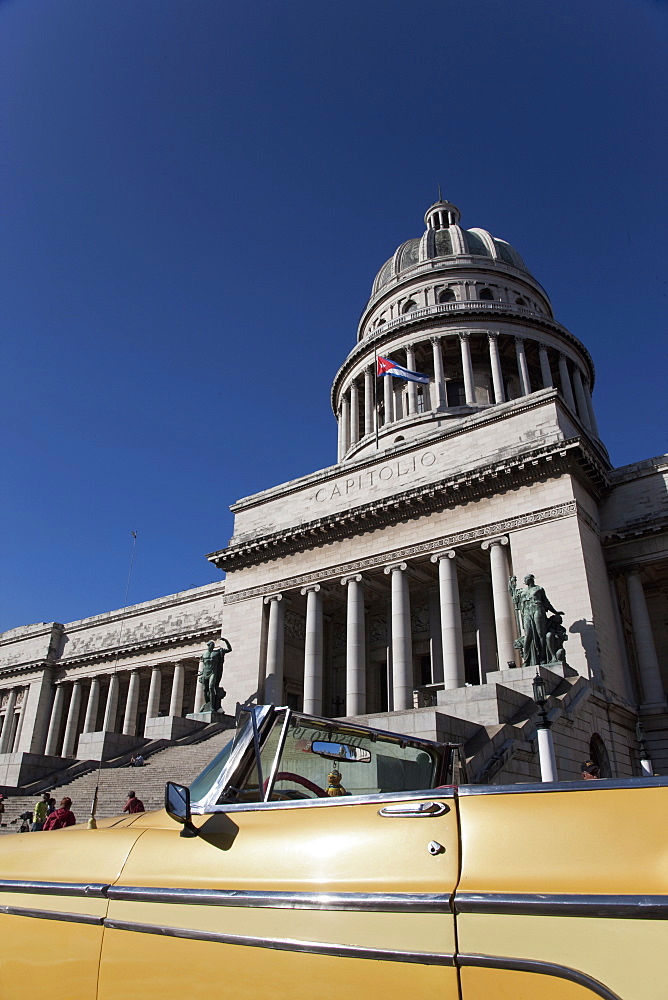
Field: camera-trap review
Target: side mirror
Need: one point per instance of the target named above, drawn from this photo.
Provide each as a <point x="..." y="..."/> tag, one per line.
<point x="177" y="805"/>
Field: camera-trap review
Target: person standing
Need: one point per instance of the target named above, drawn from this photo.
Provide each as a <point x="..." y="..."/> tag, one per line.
<point x="40" y="812"/>
<point x="133" y="805"/>
<point x="61" y="817"/>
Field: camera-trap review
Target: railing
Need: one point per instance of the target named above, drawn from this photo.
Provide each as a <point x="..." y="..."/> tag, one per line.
<point x="452" y="307"/>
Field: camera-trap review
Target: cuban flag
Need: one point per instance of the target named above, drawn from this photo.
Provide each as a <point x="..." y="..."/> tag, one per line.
<point x="387" y="367"/>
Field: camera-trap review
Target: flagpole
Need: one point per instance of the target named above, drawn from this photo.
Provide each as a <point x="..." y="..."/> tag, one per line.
<point x="375" y="393"/>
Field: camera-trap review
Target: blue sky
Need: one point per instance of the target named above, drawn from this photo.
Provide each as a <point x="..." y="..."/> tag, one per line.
<point x="195" y="197"/>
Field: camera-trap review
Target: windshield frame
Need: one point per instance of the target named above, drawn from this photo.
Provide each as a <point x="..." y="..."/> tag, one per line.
<point x="259" y="717"/>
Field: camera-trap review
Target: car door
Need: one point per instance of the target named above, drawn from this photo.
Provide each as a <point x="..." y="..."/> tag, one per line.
<point x="325" y="895"/>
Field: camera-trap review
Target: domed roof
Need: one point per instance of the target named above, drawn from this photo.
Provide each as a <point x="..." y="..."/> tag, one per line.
<point x="444" y="238"/>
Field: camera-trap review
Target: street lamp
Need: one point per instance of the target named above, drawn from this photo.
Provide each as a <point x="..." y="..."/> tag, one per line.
<point x="548" y="763"/>
<point x="645" y="762"/>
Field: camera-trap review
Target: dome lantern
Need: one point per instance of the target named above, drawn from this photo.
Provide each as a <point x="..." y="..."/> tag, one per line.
<point x="441" y="214"/>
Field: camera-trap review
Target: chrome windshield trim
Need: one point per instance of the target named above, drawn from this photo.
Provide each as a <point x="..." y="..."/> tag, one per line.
<point x="563" y="786"/>
<point x="540" y="968"/>
<point x="378" y="902"/>
<point x="335" y="802"/>
<point x="286" y="944"/>
<point x="567" y="905"/>
<point x="261" y="713"/>
<point x="54" y="888"/>
<point x="71" y="918"/>
<point x="277" y="756"/>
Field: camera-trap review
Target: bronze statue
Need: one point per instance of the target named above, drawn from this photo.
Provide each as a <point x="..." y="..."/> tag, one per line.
<point x="532" y="606"/>
<point x="210" y="674"/>
<point x="555" y="638"/>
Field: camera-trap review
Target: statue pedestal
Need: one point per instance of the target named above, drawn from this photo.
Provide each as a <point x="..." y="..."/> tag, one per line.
<point x="208" y="718"/>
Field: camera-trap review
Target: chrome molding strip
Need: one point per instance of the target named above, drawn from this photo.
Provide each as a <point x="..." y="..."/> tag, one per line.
<point x="286" y="944"/>
<point x="563" y="786"/>
<point x="570" y="905"/>
<point x="72" y="918"/>
<point x="376" y="902"/>
<point x="54" y="888"/>
<point x="539" y="968"/>
<point x="336" y="802"/>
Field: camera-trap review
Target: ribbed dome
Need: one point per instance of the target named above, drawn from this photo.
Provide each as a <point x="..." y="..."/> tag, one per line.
<point x="444" y="238"/>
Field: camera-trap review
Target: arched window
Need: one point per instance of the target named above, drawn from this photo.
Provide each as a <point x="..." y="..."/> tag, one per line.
<point x="408" y="306"/>
<point x="519" y="301"/>
<point x="381" y="321"/>
<point x="486" y="295"/>
<point x="397" y="440"/>
<point x="447" y="295"/>
<point x="599" y="755"/>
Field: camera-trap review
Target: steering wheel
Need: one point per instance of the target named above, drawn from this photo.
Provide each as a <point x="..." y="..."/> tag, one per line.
<point x="291" y="776"/>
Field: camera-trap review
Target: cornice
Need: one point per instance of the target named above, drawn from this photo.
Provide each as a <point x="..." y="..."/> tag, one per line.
<point x="554" y="460"/>
<point x="332" y="573"/>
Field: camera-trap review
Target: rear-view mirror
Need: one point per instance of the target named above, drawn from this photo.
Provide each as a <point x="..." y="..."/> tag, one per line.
<point x="177" y="802"/>
<point x="340" y="751"/>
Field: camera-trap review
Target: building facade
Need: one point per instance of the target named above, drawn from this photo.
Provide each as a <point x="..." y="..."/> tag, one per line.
<point x="379" y="586"/>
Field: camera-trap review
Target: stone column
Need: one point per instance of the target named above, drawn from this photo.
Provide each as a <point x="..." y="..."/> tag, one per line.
<point x="583" y="410"/>
<point x="412" y="386"/>
<point x="484" y="619"/>
<point x="354" y="414"/>
<point x="8" y="724"/>
<point x="51" y="748"/>
<point x="435" y="640"/>
<point x="440" y="402"/>
<point x="273" y="683"/>
<point x="451" y="620"/>
<point x="565" y="379"/>
<point x="648" y="664"/>
<point x="522" y="366"/>
<point x="495" y="362"/>
<point x="545" y="370"/>
<point x="72" y="721"/>
<point x="590" y="407"/>
<point x="388" y="398"/>
<point x="355" y="646"/>
<point x="402" y="645"/>
<point x="503" y="613"/>
<point x="131" y="705"/>
<point x="92" y="705"/>
<point x="200" y="695"/>
<point x="313" y="647"/>
<point x="369" y="408"/>
<point x="176" y="696"/>
<point x="153" y="705"/>
<point x="111" y="708"/>
<point x="467" y="368"/>
<point x="339" y="437"/>
<point x="345" y="425"/>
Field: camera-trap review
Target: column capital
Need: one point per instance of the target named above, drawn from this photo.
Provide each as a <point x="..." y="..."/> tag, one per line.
<point x="272" y="597"/>
<point x="314" y="587"/>
<point x="520" y="337"/>
<point x="436" y="339"/>
<point x="396" y="566"/>
<point x="493" y="334"/>
<point x="464" y="334"/>
<point x="353" y="578"/>
<point x="542" y="346"/>
<point x="500" y="540"/>
<point x="446" y="554"/>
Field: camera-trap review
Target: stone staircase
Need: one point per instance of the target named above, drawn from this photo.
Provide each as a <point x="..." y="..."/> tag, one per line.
<point x="180" y="763"/>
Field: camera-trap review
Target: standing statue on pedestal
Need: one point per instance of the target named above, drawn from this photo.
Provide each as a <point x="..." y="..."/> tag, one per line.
<point x="210" y="674"/>
<point x="532" y="605"/>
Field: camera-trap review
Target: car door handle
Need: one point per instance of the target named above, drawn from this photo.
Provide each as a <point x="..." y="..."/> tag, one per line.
<point x="414" y="809"/>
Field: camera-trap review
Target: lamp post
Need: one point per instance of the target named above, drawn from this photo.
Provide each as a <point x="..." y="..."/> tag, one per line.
<point x="645" y="762"/>
<point x="548" y="763"/>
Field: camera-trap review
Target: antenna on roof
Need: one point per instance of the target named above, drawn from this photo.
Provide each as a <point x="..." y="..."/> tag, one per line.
<point x="440" y="196"/>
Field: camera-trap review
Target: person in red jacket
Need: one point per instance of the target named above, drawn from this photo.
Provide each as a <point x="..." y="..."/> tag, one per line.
<point x="133" y="805"/>
<point x="61" y="817"/>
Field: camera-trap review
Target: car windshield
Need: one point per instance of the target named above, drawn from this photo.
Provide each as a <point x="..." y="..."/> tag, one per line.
<point x="318" y="760"/>
<point x="205" y="781"/>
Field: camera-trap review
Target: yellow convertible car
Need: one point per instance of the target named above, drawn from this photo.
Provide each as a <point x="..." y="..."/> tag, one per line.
<point x="316" y="859"/>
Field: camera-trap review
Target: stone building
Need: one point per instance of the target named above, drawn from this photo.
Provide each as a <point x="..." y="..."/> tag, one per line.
<point x="378" y="586"/>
